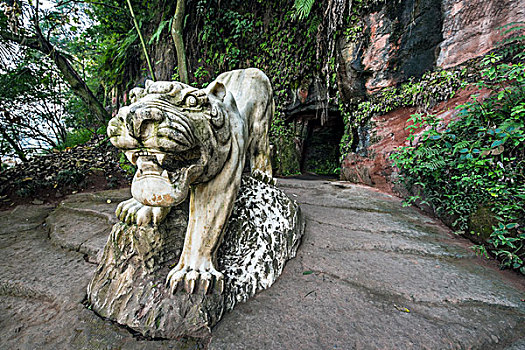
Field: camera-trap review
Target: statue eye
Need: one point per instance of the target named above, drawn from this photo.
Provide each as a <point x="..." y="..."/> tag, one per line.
<point x="216" y="118"/>
<point x="213" y="111"/>
<point x="191" y="101"/>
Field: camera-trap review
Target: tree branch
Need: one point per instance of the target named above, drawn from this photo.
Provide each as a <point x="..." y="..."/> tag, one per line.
<point x="19" y="152"/>
<point x="69" y="74"/>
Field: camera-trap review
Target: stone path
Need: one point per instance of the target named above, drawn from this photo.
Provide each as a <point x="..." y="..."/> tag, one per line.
<point x="370" y="274"/>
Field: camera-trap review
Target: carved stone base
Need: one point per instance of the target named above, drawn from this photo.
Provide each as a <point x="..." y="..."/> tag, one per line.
<point x="128" y="287"/>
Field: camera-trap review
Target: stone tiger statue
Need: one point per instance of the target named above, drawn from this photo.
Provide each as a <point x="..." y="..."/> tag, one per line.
<point x="189" y="141"/>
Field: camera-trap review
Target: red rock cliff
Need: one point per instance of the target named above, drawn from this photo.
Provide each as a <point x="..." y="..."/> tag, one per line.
<point x="405" y="39"/>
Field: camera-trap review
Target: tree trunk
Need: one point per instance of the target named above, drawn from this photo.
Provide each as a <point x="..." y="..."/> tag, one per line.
<point x="178" y="40"/>
<point x="78" y="85"/>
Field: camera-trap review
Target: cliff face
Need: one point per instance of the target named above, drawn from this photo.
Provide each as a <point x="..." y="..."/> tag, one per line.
<point x="399" y="41"/>
<point x="402" y="40"/>
<point x="470" y="28"/>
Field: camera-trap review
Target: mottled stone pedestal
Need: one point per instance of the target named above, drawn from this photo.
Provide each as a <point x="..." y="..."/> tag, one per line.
<point x="263" y="232"/>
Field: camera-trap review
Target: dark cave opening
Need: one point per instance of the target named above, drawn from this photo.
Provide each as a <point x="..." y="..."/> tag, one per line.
<point x="318" y="143"/>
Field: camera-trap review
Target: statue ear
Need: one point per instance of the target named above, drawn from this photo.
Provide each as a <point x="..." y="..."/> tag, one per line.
<point x="148" y="83"/>
<point x="136" y="93"/>
<point x="217" y="90"/>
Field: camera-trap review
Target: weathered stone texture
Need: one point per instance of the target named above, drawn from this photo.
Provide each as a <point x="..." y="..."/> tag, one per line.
<point x="407" y="38"/>
<point x="363" y="259"/>
<point x="400" y="40"/>
<point x="129" y="285"/>
<point x="471" y="28"/>
<point x="364" y="262"/>
<point x="404" y="39"/>
<point x="388" y="132"/>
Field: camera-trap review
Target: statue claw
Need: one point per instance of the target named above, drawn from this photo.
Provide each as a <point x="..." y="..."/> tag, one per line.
<point x="133" y="212"/>
<point x="174" y="277"/>
<point x="172" y="286"/>
<point x="190" y="278"/>
<point x="205" y="282"/>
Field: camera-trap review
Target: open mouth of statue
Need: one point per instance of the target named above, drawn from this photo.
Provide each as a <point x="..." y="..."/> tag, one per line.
<point x="151" y="162"/>
<point x="163" y="179"/>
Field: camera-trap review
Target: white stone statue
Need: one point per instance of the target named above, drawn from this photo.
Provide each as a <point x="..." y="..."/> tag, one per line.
<point x="185" y="140"/>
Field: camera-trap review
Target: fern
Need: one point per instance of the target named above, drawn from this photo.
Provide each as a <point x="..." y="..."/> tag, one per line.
<point x="428" y="152"/>
<point x="314" y="25"/>
<point x="303" y="8"/>
<point x="434" y="164"/>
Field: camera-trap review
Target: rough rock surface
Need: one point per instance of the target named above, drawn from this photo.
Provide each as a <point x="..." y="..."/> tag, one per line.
<point x="388" y="133"/>
<point x="371" y="274"/>
<point x="363" y="259"/>
<point x="129" y="285"/>
<point x="403" y="40"/>
<point x="472" y="28"/>
<point x="400" y="40"/>
<point x="43" y="286"/>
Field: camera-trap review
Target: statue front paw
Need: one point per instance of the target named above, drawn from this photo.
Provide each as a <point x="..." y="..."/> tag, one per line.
<point x="187" y="276"/>
<point x="132" y="212"/>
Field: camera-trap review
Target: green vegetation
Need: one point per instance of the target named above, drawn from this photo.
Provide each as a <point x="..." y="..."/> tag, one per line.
<point x="96" y="53"/>
<point x="125" y="165"/>
<point x="424" y="93"/>
<point x="79" y="137"/>
<point x="239" y="35"/>
<point x="477" y="161"/>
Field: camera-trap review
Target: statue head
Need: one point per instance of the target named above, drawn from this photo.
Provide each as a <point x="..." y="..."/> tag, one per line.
<point x="176" y="135"/>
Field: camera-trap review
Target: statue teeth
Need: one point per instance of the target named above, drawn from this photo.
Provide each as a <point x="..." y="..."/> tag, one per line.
<point x="132" y="156"/>
<point x="165" y="174"/>
<point x="160" y="158"/>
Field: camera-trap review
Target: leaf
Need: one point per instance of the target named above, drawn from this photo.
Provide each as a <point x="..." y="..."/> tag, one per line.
<point x="496" y="143"/>
<point x="155" y="37"/>
<point x="401" y="308"/>
<point x="463" y="150"/>
<point x="303" y="8"/>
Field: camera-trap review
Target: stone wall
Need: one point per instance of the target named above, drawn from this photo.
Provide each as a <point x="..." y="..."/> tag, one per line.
<point x="402" y="40"/>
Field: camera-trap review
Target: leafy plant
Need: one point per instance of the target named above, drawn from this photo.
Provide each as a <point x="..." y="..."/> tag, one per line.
<point x="302" y="8"/>
<point x="425" y="93"/>
<point x="477" y="160"/>
<point x="79" y="137"/>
